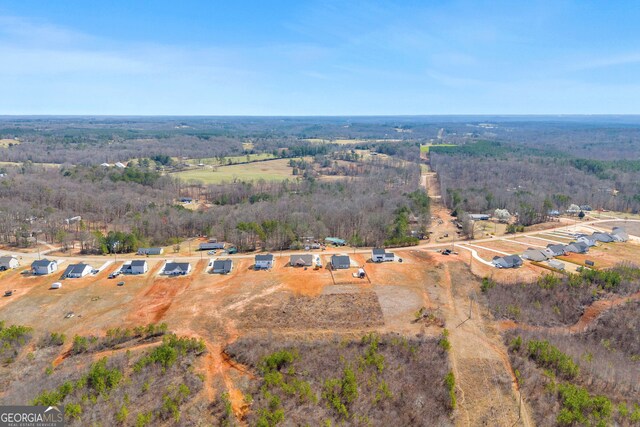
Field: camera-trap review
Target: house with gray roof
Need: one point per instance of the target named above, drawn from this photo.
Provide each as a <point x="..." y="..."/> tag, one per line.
<point x="535" y="255"/>
<point x="303" y="260"/>
<point x="577" y="247"/>
<point x="556" y="249"/>
<point x="8" y="262"/>
<point x="588" y="240"/>
<point x="222" y="266"/>
<point x="264" y="262"/>
<point x="381" y="255"/>
<point x="508" y="261"/>
<point x="620" y="234"/>
<point x="602" y="237"/>
<point x="42" y="267"/>
<point x="137" y="266"/>
<point x="176" y="268"/>
<point x="339" y="262"/>
<point x="150" y="251"/>
<point x="76" y="271"/>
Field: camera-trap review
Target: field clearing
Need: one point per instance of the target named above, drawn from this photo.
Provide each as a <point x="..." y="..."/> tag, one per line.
<point x="489" y="228"/>
<point x="344" y="141"/>
<point x="5" y="142"/>
<point x="45" y="165"/>
<point x="270" y="170"/>
<point x="559" y="239"/>
<point x="215" y="161"/>
<point x="425" y="147"/>
<point x="632" y="228"/>
<point x="504" y="246"/>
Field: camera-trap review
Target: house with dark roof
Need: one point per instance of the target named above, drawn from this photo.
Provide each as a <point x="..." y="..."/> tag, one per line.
<point x="508" y="261"/>
<point x="380" y="255"/>
<point x="222" y="266"/>
<point x="602" y="237"/>
<point x="588" y="240"/>
<point x="137" y="266"/>
<point x="43" y="266"/>
<point x="619" y="234"/>
<point x="556" y="249"/>
<point x="264" y="262"/>
<point x="176" y="268"/>
<point x="340" y="262"/>
<point x="76" y="271"/>
<point x="577" y="247"/>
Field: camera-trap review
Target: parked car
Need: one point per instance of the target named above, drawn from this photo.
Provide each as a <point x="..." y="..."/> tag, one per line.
<point x="114" y="274"/>
<point x="211" y="252"/>
<point x="56" y="285"/>
<point x="120" y="283"/>
<point x="69" y="315"/>
<point x="8" y="293"/>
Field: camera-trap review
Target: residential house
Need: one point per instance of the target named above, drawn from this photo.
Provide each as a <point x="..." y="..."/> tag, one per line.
<point x="380" y="255"/>
<point x="554" y="263"/>
<point x="535" y="255"/>
<point x="620" y="234"/>
<point x="303" y="260"/>
<point x="210" y="245"/>
<point x="76" y="271"/>
<point x="43" y="266"/>
<point x="176" y="268"/>
<point x="340" y="262"/>
<point x="150" y="251"/>
<point x="264" y="262"/>
<point x="602" y="237"/>
<point x="335" y="241"/>
<point x="556" y="250"/>
<point x="135" y="267"/>
<point x="587" y="240"/>
<point x="577" y="247"/>
<point x="222" y="266"/>
<point x="509" y="261"/>
<point x="479" y="217"/>
<point x="8" y="262"/>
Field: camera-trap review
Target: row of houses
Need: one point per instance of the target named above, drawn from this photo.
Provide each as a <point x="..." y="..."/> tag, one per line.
<point x="580" y="246"/>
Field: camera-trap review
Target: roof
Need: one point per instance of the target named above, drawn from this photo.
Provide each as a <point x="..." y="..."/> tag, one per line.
<point x="340" y="260"/>
<point x="534" y="255"/>
<point x="77" y="268"/>
<point x="508" y="261"/>
<point x="138" y="263"/>
<point x="304" y="259"/>
<point x="556" y="248"/>
<point x="223" y="264"/>
<point x="7" y="258"/>
<point x="267" y="257"/>
<point x="378" y="251"/>
<point x="41" y="263"/>
<point x="184" y="266"/>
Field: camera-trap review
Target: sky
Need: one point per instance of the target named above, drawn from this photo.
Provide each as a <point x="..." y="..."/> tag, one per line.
<point x="319" y="57"/>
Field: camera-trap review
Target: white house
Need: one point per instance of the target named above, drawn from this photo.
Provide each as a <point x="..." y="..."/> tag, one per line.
<point x="8" y="262"/>
<point x="75" y="271"/>
<point x="176" y="268"/>
<point x="264" y="262"/>
<point x="135" y="267"/>
<point x="380" y="255"/>
<point x="43" y="266"/>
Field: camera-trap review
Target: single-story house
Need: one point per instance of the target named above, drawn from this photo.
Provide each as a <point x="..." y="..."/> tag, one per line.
<point x="554" y="263"/>
<point x="335" y="241"/>
<point x="509" y="261"/>
<point x="186" y="200"/>
<point x="43" y="266"/>
<point x="9" y="262"/>
<point x="602" y="237"/>
<point x="479" y="217"/>
<point x="222" y="266"/>
<point x="210" y="245"/>
<point x="557" y="250"/>
<point x="135" y="267"/>
<point x="340" y="262"/>
<point x="587" y="240"/>
<point x="380" y="255"/>
<point x="577" y="247"/>
<point x="620" y="233"/>
<point x="264" y="262"/>
<point x="76" y="271"/>
<point x="176" y="268"/>
<point x="303" y="260"/>
<point x="535" y="255"/>
<point x="150" y="251"/>
<point x="120" y="165"/>
<point x="586" y="208"/>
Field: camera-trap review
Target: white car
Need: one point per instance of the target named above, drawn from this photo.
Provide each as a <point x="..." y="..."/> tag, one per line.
<point x="56" y="285"/>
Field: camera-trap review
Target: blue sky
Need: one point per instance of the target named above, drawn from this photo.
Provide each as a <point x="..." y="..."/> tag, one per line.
<point x="319" y="58"/>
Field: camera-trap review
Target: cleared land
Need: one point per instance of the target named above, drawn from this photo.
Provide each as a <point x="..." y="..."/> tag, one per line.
<point x="270" y="170"/>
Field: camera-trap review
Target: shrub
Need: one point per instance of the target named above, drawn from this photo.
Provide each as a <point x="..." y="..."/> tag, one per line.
<point x="549" y="356"/>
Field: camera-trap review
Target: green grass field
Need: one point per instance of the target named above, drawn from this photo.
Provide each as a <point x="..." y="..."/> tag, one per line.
<point x="271" y="170"/>
<point x="214" y="161"/>
<point x="425" y="148"/>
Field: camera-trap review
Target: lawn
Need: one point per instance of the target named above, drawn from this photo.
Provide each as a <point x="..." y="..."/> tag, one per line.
<point x="234" y="159"/>
<point x="4" y="143"/>
<point x="271" y="170"/>
<point x="425" y="148"/>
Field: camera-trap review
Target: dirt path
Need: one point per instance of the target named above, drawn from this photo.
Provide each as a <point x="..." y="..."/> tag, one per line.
<point x="589" y="317"/>
<point x="486" y="386"/>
